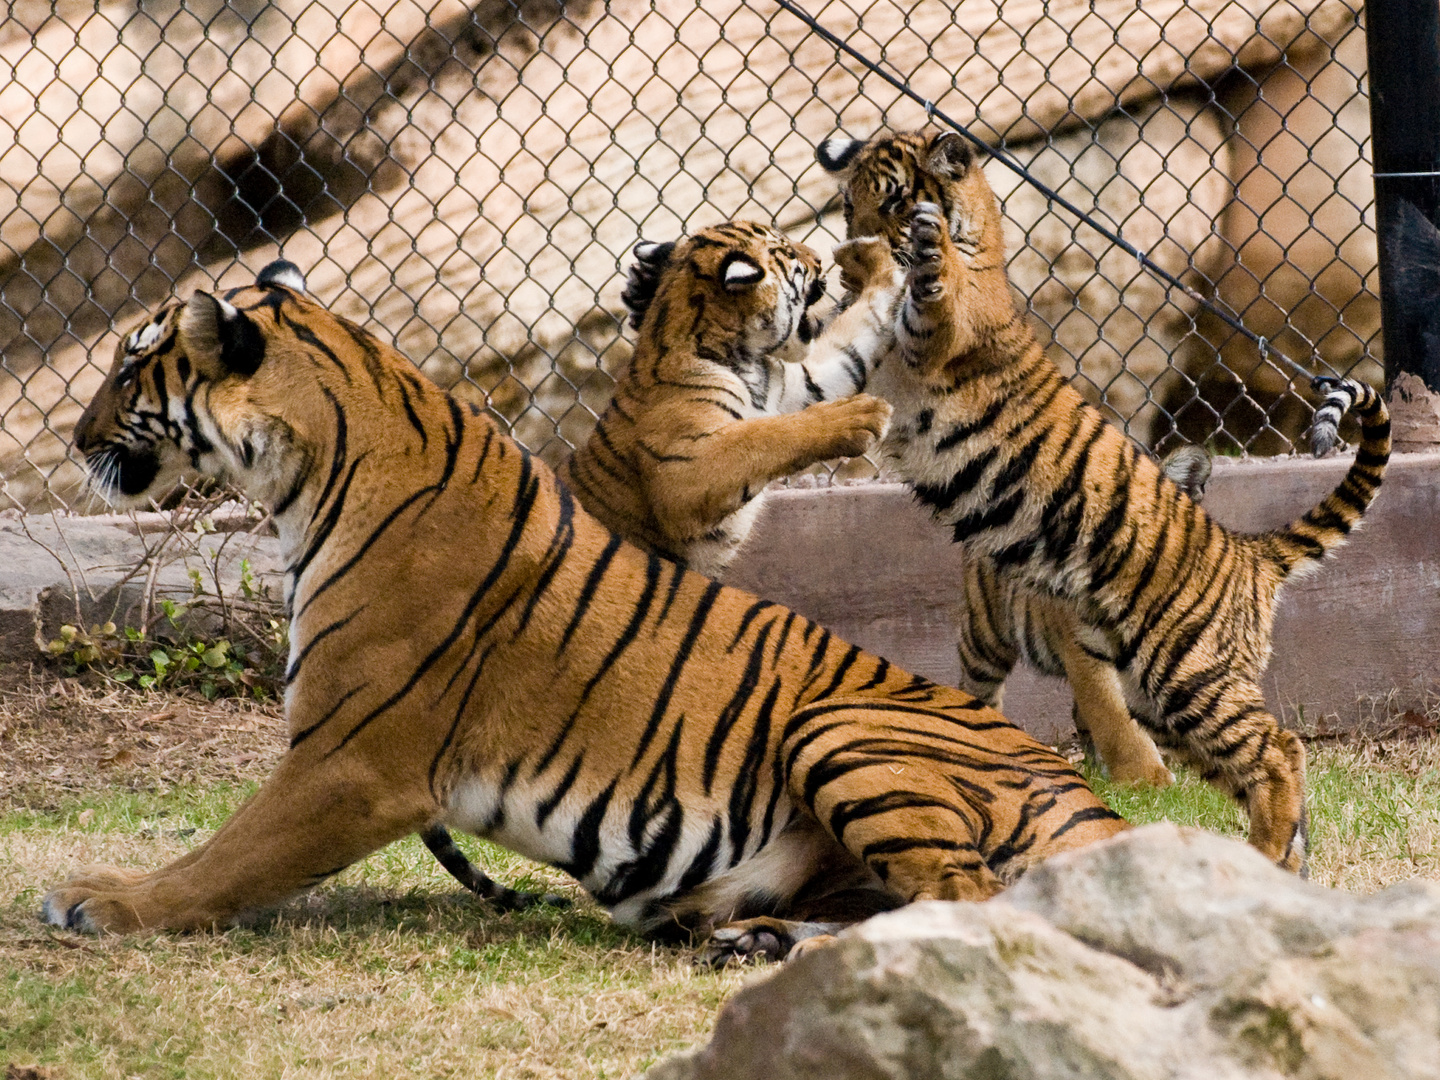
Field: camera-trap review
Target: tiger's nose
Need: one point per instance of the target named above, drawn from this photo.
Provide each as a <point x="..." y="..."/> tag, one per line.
<point x="85" y="431"/>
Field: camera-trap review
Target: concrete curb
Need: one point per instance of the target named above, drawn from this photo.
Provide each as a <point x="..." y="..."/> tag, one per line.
<point x="1358" y="638"/>
<point x="60" y="569"/>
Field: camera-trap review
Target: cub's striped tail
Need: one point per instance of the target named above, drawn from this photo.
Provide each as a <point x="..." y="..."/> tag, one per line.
<point x="1326" y="525"/>
<point x="437" y="839"/>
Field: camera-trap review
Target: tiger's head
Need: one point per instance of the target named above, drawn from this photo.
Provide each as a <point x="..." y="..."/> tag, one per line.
<point x="746" y="280"/>
<point x="883" y="178"/>
<point x="198" y="391"/>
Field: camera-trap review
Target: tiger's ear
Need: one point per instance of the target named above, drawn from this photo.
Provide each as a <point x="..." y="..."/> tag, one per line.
<point x="740" y="273"/>
<point x="1188" y="468"/>
<point x="643" y="278"/>
<point x="213" y="328"/>
<point x="837" y="153"/>
<point x="281" y="272"/>
<point x="949" y="155"/>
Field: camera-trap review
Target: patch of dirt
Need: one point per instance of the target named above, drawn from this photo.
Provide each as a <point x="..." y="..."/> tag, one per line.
<point x="62" y="736"/>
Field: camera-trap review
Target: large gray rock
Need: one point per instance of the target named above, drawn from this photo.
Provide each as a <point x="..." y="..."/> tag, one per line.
<point x="1165" y="952"/>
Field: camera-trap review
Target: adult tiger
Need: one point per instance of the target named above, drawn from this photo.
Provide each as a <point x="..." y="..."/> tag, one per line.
<point x="729" y="388"/>
<point x="1169" y="614"/>
<point x="470" y="648"/>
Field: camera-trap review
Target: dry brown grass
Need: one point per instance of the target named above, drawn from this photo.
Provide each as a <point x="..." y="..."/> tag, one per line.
<point x="392" y="970"/>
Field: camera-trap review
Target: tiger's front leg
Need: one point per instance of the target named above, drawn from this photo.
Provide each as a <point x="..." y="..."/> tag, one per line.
<point x="312" y="818"/>
<point x="730" y="466"/>
<point x="932" y="327"/>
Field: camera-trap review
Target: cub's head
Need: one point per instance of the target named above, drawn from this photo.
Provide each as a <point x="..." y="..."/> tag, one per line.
<point x="881" y="181"/>
<point x="185" y="396"/>
<point x="747" y="280"/>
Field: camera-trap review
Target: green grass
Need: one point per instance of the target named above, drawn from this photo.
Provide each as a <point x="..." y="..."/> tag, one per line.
<point x="1374" y="811"/>
<point x="392" y="970"/>
<point x="389" y="970"/>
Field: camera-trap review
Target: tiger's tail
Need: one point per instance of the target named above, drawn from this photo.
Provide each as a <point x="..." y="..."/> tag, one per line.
<point x="437" y="838"/>
<point x="1326" y="525"/>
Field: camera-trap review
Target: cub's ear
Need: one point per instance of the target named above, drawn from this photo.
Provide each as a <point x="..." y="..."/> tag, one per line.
<point x="837" y="153"/>
<point x="948" y="155"/>
<point x="643" y="278"/>
<point x="1188" y="468"/>
<point x="281" y="272"/>
<point x="740" y="273"/>
<point x="213" y="328"/>
<point x="656" y="255"/>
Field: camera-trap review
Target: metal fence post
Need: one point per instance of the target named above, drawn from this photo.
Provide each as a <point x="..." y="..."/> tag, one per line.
<point x="1403" y="45"/>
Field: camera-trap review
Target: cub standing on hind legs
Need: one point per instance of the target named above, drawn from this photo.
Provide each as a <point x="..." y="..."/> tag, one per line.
<point x="470" y="648"/>
<point x="1171" y="613"/>
<point x="729" y="388"/>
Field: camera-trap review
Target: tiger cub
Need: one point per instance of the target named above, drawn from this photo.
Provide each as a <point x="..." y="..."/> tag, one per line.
<point x="470" y="648"/>
<point x="1171" y="612"/>
<point x="708" y="413"/>
<point x="1000" y="621"/>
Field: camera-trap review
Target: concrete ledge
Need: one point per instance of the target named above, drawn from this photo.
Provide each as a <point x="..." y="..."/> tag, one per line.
<point x="868" y="563"/>
<point x="1360" y="636"/>
<point x="46" y="561"/>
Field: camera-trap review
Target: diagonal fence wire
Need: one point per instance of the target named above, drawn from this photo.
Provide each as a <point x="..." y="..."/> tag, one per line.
<point x="999" y="154"/>
<point x="467" y="177"/>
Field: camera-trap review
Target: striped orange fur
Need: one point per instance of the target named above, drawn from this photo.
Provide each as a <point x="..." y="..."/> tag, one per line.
<point x="1169" y="613"/>
<point x="471" y="649"/>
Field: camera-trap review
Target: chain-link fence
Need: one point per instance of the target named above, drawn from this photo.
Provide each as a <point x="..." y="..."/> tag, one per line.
<point x="467" y="179"/>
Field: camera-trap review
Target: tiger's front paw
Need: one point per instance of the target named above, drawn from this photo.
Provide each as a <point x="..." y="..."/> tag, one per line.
<point x="927" y="248"/>
<point x="94" y="902"/>
<point x="866" y="262"/>
<point x="853" y="425"/>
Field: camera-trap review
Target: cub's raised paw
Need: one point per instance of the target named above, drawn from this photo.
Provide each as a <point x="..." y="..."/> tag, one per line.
<point x="866" y="262"/>
<point x="765" y="939"/>
<point x="927" y="241"/>
<point x="855" y="424"/>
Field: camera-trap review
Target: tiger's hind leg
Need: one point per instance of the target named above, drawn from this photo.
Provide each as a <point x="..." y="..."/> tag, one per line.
<point x="870" y="780"/>
<point x="985" y="632"/>
<point x="1241" y="749"/>
<point x="1128" y="754"/>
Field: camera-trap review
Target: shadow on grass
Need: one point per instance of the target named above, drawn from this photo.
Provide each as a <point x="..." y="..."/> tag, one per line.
<point x="367" y="909"/>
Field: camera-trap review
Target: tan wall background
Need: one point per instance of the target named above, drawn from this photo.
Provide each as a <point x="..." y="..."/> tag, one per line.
<point x="1355" y="643"/>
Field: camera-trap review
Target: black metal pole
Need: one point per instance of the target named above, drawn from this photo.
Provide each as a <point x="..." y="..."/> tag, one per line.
<point x="1403" y="43"/>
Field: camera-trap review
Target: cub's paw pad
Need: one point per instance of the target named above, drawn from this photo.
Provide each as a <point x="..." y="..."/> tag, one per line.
<point x="927" y="228"/>
<point x="927" y="234"/>
<point x="864" y="261"/>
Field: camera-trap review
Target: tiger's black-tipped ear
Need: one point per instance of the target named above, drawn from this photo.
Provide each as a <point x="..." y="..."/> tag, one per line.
<point x="740" y="273"/>
<point x="837" y="153"/>
<point x="212" y="327"/>
<point x="949" y="155"/>
<point x="643" y="278"/>
<point x="656" y="255"/>
<point x="1188" y="468"/>
<point x="281" y="272"/>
